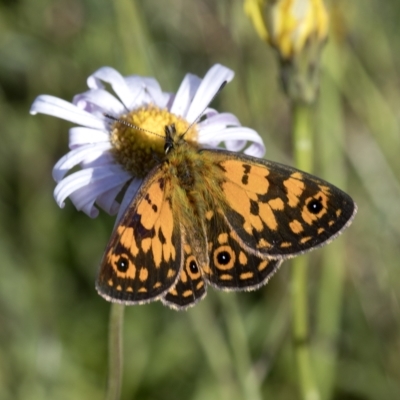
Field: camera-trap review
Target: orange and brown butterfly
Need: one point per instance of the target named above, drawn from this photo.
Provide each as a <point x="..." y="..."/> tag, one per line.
<point x="213" y="217"/>
<point x="201" y="216"/>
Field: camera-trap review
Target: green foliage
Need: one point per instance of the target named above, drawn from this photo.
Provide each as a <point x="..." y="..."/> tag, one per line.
<point x="53" y="325"/>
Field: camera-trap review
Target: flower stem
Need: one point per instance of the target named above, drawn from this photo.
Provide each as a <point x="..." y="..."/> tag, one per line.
<point x="302" y="136"/>
<point x="133" y="36"/>
<point x="303" y="153"/>
<point x="115" y="344"/>
<point x="245" y="372"/>
<point x="330" y="296"/>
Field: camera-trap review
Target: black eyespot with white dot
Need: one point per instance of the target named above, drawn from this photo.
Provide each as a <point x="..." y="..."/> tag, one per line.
<point x="223" y="258"/>
<point x="194" y="269"/>
<point x="122" y="264"/>
<point x="315" y="206"/>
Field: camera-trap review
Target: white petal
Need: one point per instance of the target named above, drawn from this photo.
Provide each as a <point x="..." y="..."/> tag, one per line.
<point x="235" y="138"/>
<point x="107" y="202"/>
<point x="76" y="156"/>
<point x="51" y="105"/>
<point x="79" y="136"/>
<point x="217" y="122"/>
<point x="235" y="145"/>
<point x="185" y="94"/>
<point x="128" y="197"/>
<point x="85" y="197"/>
<point x="147" y="91"/>
<point x="117" y="82"/>
<point x="71" y="184"/>
<point x="210" y="112"/>
<point x="256" y="150"/>
<point x="83" y="187"/>
<point x="99" y="100"/>
<point x="208" y="88"/>
<point x="102" y="160"/>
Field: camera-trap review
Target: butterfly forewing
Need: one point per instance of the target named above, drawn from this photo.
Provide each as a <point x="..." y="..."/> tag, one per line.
<point x="144" y="256"/>
<point x="277" y="210"/>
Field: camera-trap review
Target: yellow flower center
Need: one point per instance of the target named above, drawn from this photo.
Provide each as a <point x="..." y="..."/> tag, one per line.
<point x="138" y="148"/>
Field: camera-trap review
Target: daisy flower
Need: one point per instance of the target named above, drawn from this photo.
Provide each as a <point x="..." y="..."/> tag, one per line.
<point x="116" y="154"/>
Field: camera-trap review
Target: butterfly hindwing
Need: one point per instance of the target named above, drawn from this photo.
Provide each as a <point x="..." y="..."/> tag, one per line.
<point x="144" y="256"/>
<point x="232" y="266"/>
<point x="191" y="286"/>
<point x="279" y="211"/>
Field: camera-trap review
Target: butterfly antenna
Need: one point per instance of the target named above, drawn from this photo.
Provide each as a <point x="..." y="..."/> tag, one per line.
<point x="201" y="114"/>
<point x="126" y="123"/>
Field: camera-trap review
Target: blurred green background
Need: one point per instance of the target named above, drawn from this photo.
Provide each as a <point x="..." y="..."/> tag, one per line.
<point x="53" y="325"/>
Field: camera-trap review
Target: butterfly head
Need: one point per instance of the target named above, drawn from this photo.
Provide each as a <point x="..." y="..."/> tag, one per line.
<point x="170" y="133"/>
<point x="172" y="138"/>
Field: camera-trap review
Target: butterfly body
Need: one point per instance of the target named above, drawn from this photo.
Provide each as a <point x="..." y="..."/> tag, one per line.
<point x="215" y="217"/>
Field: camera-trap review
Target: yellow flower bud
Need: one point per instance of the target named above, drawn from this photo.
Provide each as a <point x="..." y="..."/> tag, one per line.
<point x="297" y="29"/>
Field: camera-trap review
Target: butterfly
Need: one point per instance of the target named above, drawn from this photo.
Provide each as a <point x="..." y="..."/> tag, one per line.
<point x="213" y="217"/>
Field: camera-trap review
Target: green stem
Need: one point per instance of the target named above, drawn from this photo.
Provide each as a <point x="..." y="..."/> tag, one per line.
<point x="303" y="156"/>
<point x="330" y="294"/>
<point x="133" y="36"/>
<point x="245" y="373"/>
<point x="302" y="136"/>
<point x="115" y="344"/>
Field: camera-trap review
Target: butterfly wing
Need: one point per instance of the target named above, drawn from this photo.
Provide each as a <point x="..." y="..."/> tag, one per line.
<point x="278" y="211"/>
<point x="228" y="265"/>
<point x="231" y="266"/>
<point x="191" y="286"/>
<point x="144" y="256"/>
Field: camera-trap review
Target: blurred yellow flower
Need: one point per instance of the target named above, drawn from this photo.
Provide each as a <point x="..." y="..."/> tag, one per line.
<point x="297" y="29"/>
<point x="288" y="24"/>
